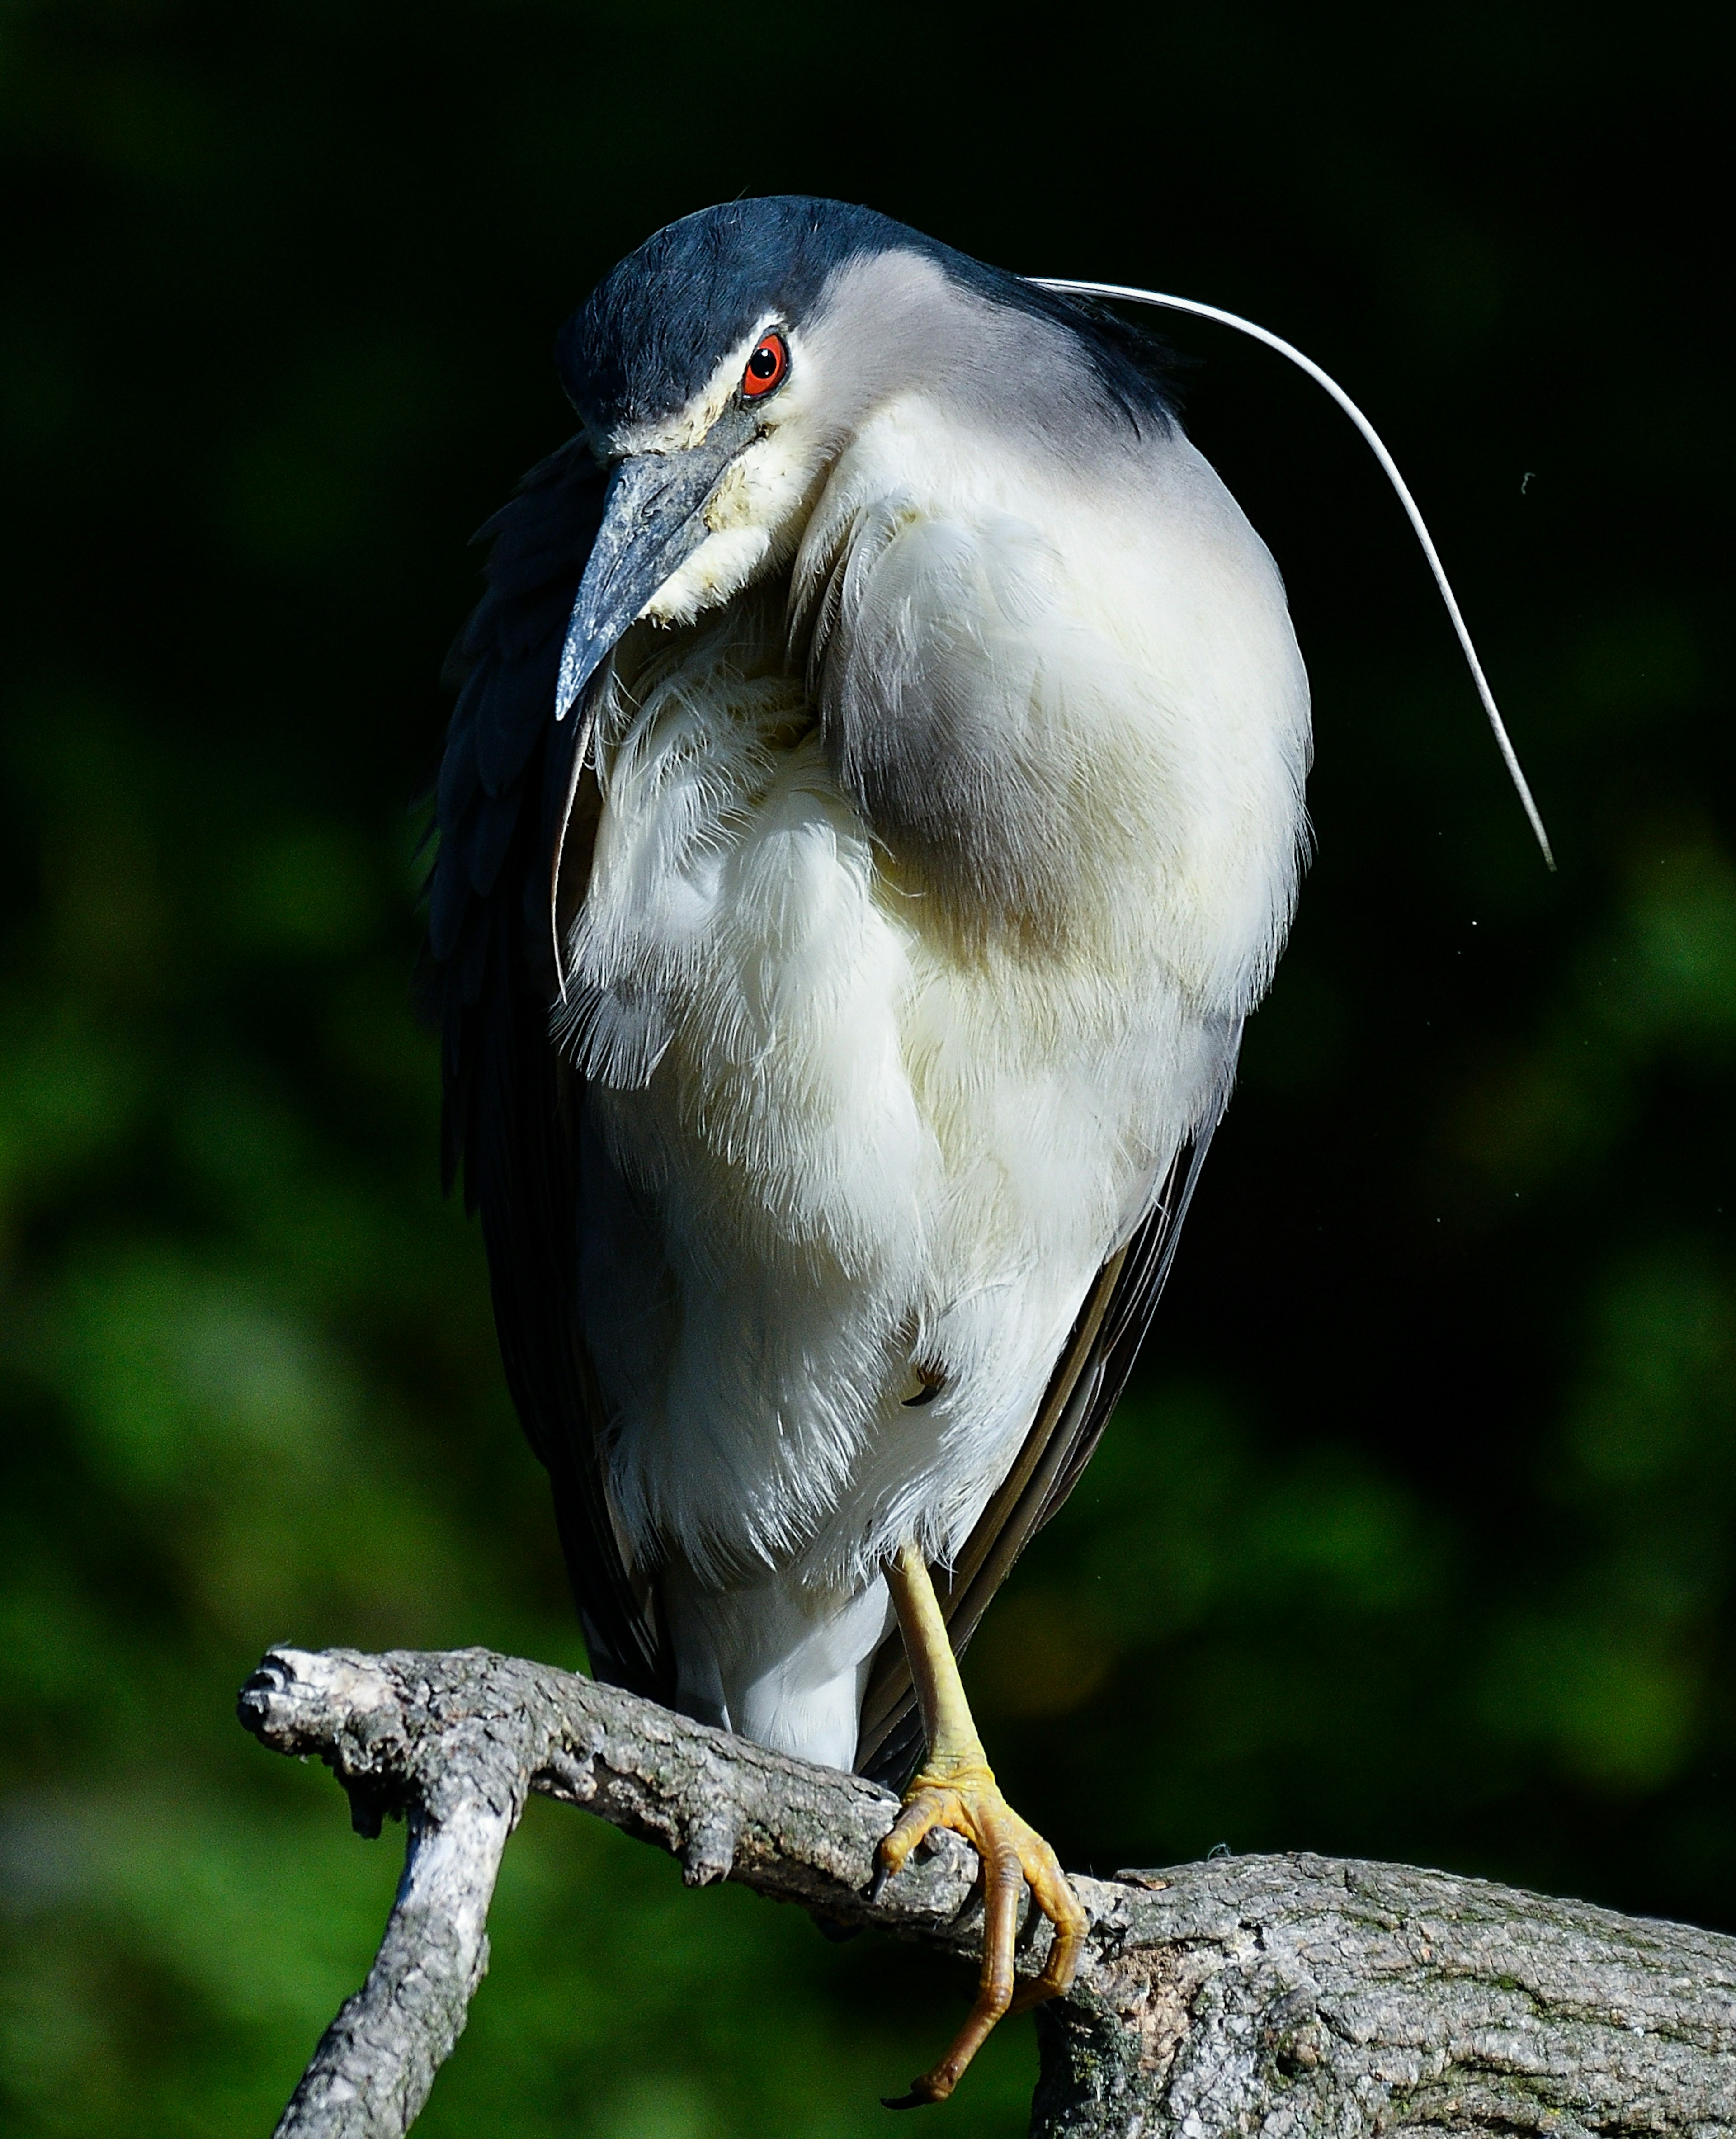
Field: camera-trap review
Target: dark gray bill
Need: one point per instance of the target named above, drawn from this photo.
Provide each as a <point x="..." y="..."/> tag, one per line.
<point x="653" y="520"/>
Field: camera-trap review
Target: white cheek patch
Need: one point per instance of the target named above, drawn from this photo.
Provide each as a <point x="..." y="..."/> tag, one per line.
<point x="764" y="485"/>
<point x="722" y="564"/>
<point x="756" y="509"/>
<point x="731" y="504"/>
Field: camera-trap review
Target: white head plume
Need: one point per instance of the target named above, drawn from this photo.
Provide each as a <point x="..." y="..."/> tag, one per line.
<point x="1377" y="446"/>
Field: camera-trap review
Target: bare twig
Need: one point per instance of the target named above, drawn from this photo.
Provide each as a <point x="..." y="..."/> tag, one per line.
<point x="1293" y="1995"/>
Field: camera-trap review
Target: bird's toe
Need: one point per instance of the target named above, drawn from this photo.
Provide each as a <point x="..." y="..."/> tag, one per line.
<point x="968" y="1802"/>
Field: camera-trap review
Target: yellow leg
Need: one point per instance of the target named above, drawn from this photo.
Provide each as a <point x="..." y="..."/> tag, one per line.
<point x="955" y="1789"/>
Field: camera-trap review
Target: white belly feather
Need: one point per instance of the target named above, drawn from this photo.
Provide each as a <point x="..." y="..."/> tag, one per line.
<point x="838" y="1149"/>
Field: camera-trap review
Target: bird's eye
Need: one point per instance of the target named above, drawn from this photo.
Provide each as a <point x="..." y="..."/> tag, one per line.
<point x="766" y="368"/>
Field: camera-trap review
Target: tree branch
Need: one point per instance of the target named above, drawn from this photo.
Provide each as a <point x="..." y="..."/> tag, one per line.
<point x="1296" y="1995"/>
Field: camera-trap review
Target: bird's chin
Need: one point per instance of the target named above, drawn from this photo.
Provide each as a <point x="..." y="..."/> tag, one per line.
<point x="718" y="569"/>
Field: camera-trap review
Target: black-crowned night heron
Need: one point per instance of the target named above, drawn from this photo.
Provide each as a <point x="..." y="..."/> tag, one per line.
<point x="873" y="805"/>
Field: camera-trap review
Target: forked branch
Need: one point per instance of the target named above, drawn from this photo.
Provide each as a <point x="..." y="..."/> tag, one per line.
<point x="1290" y="1995"/>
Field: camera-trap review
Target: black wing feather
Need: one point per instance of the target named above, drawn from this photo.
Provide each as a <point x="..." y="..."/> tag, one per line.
<point x="512" y="1108"/>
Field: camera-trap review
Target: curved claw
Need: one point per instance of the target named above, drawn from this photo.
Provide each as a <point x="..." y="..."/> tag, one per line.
<point x="1013" y="1854"/>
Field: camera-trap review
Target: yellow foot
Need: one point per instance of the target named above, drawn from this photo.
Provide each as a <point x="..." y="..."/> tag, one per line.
<point x="966" y="1799"/>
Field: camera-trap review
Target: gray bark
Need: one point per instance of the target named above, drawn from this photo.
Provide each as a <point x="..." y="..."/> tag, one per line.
<point x="1294" y="1996"/>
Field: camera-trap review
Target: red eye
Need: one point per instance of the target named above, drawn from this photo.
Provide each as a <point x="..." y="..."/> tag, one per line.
<point x="766" y="368"/>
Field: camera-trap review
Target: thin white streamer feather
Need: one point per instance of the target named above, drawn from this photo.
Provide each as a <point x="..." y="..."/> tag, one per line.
<point x="1378" y="446"/>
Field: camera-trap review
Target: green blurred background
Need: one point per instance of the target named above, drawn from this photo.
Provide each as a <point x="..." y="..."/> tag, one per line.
<point x="1416" y="1538"/>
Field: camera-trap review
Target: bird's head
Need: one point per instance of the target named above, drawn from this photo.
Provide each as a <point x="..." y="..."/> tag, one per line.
<point x="721" y="368"/>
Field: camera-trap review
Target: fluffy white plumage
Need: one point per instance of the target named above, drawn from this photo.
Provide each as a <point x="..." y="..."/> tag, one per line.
<point x="945" y="839"/>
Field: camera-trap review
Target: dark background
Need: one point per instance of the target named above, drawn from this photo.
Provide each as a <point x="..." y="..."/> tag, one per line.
<point x="1415" y="1539"/>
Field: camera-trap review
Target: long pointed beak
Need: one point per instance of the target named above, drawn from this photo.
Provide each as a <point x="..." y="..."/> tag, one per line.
<point x="653" y="520"/>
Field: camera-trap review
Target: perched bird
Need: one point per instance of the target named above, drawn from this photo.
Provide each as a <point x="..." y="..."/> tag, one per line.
<point x="873" y="805"/>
